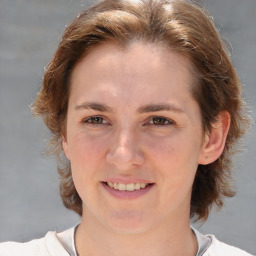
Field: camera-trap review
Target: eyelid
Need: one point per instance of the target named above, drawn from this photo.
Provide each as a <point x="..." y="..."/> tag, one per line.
<point x="86" y="120"/>
<point x="170" y="121"/>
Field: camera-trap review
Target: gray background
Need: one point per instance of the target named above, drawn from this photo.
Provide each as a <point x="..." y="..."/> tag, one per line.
<point x="29" y="201"/>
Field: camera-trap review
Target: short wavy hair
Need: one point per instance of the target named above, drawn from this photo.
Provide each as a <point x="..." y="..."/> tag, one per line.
<point x="182" y="26"/>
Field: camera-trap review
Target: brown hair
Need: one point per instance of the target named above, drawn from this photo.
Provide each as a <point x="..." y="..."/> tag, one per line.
<point x="180" y="25"/>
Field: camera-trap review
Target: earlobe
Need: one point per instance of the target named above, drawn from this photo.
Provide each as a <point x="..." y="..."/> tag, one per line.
<point x="214" y="142"/>
<point x="65" y="147"/>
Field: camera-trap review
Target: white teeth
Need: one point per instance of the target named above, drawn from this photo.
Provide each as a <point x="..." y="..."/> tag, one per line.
<point x="121" y="186"/>
<point x="130" y="187"/>
<point x="137" y="186"/>
<point x="127" y="187"/>
<point x="111" y="184"/>
<point x="142" y="185"/>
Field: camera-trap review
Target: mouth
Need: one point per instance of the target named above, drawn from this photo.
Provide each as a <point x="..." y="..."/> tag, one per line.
<point x="127" y="187"/>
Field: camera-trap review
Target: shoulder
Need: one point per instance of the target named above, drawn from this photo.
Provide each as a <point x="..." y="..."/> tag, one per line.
<point x="218" y="248"/>
<point x="34" y="247"/>
<point x="46" y="246"/>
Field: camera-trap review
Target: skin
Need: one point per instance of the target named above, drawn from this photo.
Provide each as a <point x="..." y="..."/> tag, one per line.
<point x="132" y="117"/>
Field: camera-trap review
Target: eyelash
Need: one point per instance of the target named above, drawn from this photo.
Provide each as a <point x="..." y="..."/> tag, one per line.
<point x="162" y="121"/>
<point x="91" y="120"/>
<point x="98" y="120"/>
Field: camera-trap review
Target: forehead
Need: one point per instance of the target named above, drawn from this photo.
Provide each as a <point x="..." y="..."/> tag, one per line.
<point x="136" y="69"/>
<point x="133" y="58"/>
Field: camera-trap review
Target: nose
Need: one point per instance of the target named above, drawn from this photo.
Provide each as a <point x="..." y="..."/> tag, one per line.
<point x="124" y="152"/>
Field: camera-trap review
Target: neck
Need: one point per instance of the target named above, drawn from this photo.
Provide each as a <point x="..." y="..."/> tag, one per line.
<point x="174" y="239"/>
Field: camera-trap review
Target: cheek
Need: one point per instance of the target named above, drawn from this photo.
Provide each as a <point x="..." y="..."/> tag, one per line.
<point x="167" y="150"/>
<point x="175" y="156"/>
<point x="86" y="154"/>
<point x="84" y="146"/>
<point x="85" y="151"/>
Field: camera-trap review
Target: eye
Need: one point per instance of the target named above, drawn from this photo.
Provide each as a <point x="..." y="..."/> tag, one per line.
<point x="95" y="120"/>
<point x="160" y="121"/>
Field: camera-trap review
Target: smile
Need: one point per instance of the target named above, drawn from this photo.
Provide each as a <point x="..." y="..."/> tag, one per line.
<point x="132" y="190"/>
<point x="127" y="187"/>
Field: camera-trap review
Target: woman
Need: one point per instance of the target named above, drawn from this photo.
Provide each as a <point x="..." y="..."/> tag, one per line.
<point x="144" y="102"/>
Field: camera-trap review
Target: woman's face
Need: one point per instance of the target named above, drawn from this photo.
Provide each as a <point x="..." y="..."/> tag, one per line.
<point x="133" y="137"/>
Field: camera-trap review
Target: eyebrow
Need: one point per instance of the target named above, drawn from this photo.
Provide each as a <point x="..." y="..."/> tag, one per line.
<point x="143" y="109"/>
<point x="94" y="106"/>
<point x="159" y="107"/>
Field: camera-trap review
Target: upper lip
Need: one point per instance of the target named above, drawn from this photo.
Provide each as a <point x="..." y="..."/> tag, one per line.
<point x="127" y="180"/>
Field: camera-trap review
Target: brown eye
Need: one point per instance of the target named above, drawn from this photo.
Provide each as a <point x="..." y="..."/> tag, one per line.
<point x="160" y="121"/>
<point x="95" y="120"/>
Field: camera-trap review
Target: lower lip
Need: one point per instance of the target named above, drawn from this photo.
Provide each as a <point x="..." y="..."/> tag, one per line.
<point x="127" y="194"/>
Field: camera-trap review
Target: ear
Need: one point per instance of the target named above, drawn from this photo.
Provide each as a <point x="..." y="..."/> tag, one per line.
<point x="65" y="147"/>
<point x="214" y="142"/>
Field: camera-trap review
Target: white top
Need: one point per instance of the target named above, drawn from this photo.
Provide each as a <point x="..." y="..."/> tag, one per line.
<point x="62" y="244"/>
